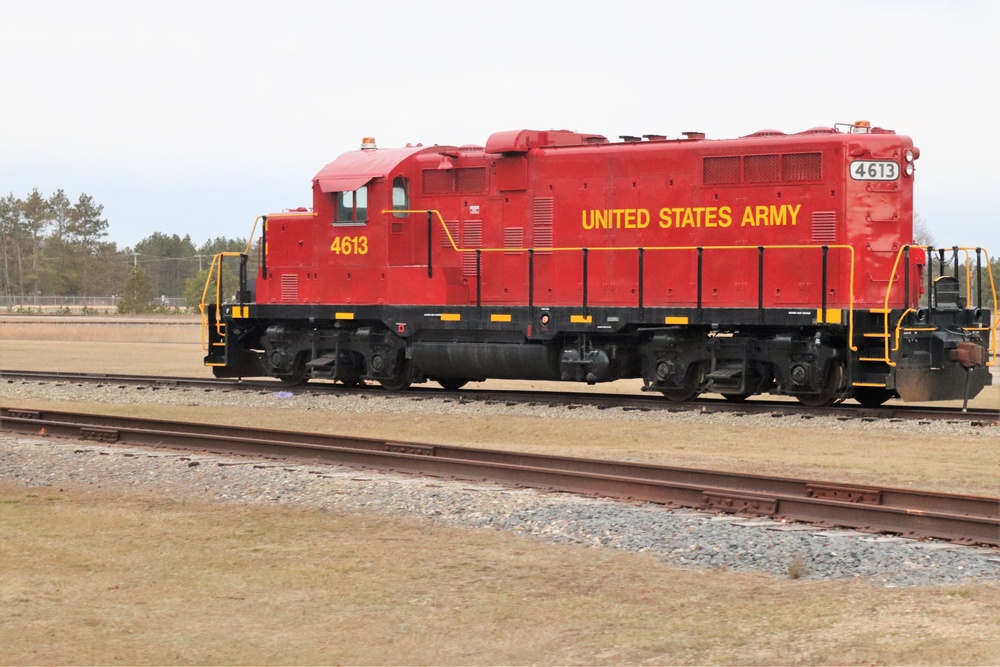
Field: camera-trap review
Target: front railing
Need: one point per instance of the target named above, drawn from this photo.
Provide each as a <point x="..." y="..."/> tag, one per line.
<point x="215" y="274"/>
<point x="903" y="255"/>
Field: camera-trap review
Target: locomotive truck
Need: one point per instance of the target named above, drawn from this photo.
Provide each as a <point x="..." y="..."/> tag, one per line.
<point x="771" y="263"/>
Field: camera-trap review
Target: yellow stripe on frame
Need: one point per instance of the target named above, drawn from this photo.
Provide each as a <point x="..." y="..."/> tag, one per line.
<point x="833" y="316"/>
<point x="451" y="317"/>
<point x="241" y="312"/>
<point x="581" y="319"/>
<point x="343" y="316"/>
<point x="496" y="317"/>
<point x="675" y="320"/>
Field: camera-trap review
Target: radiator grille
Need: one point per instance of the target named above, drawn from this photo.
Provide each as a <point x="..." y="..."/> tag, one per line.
<point x="452" y="226"/>
<point x="470" y="179"/>
<point x="760" y="168"/>
<point x="466" y="180"/>
<point x="824" y="227"/>
<point x="542" y="214"/>
<point x="719" y="170"/>
<point x="789" y="167"/>
<point x="513" y="237"/>
<point x="472" y="237"/>
<point x="801" y="167"/>
<point x="437" y="181"/>
<point x="289" y="287"/>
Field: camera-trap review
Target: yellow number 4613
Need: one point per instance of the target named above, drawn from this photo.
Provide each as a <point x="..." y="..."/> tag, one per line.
<point x="350" y="245"/>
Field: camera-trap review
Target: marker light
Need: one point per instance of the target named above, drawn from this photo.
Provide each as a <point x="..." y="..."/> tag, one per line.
<point x="861" y="127"/>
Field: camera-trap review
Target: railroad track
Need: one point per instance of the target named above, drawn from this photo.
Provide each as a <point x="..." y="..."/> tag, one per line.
<point x="959" y="518"/>
<point x="975" y="416"/>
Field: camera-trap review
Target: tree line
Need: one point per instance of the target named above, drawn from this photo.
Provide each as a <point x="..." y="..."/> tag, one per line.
<point x="53" y="246"/>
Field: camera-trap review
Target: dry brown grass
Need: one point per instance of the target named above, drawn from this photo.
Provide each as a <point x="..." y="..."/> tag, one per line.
<point x="126" y="579"/>
<point x="44" y="344"/>
<point x="91" y="578"/>
<point x="168" y="329"/>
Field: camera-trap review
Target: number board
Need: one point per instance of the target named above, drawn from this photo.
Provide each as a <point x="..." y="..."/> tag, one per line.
<point x="874" y="170"/>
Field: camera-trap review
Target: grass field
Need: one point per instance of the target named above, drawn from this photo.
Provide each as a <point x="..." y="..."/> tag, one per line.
<point x="112" y="576"/>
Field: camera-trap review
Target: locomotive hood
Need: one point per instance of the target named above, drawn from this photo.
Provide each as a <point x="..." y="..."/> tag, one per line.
<point x="353" y="169"/>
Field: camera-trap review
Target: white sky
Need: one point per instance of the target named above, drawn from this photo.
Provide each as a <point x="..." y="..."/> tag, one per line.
<point x="194" y="117"/>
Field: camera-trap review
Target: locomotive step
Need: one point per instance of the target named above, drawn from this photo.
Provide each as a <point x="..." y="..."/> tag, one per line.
<point x="725" y="374"/>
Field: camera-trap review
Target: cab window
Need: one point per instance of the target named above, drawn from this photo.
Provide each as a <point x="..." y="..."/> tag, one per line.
<point x="352" y="207"/>
<point x="400" y="196"/>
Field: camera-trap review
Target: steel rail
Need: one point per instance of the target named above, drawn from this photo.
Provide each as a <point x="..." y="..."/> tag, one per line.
<point x="961" y="518"/>
<point x="777" y="407"/>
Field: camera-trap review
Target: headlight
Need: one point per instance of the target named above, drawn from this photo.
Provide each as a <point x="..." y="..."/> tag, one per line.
<point x="909" y="155"/>
<point x="909" y="169"/>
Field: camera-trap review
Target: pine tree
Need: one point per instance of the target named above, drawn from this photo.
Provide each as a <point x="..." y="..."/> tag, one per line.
<point x="138" y="294"/>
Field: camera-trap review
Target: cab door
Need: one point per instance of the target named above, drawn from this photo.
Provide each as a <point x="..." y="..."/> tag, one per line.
<point x="353" y="250"/>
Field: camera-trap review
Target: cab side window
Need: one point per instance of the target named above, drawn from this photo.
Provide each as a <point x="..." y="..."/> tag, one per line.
<point x="352" y="207"/>
<point x="400" y="196"/>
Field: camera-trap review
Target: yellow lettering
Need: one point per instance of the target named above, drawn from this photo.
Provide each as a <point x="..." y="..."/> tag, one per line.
<point x="666" y="221"/>
<point x="794" y="211"/>
<point x="697" y="215"/>
<point x="350" y="245"/>
<point x="777" y="215"/>
<point x="725" y="216"/>
<point x="710" y="216"/>
<point x="642" y="219"/>
<point x="630" y="218"/>
<point x="761" y="216"/>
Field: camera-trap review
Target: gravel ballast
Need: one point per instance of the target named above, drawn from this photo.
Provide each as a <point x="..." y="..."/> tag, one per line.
<point x="682" y="538"/>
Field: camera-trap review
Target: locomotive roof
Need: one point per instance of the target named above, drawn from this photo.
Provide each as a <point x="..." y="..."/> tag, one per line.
<point x="353" y="169"/>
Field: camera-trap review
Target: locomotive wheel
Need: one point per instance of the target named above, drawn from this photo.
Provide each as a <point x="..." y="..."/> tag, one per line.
<point x="400" y="381"/>
<point x="871" y="397"/>
<point x="296" y="379"/>
<point x="452" y="384"/>
<point x="828" y="396"/>
<point x="395" y="384"/>
<point x="818" y="401"/>
<point x="679" y="395"/>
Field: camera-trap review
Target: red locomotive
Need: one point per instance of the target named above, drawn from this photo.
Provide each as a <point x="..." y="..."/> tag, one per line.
<point x="773" y="263"/>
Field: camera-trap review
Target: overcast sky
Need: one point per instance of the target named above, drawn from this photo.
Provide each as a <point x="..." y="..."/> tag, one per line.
<point x="195" y="117"/>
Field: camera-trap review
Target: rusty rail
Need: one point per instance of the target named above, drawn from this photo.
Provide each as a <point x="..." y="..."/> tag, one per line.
<point x="757" y="405"/>
<point x="960" y="518"/>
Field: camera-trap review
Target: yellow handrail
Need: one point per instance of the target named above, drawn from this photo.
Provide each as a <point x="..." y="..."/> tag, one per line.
<point x="455" y="247"/>
<point x="215" y="270"/>
<point x="992" y="347"/>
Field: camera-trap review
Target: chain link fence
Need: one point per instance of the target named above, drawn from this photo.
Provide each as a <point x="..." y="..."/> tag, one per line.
<point x="79" y="304"/>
